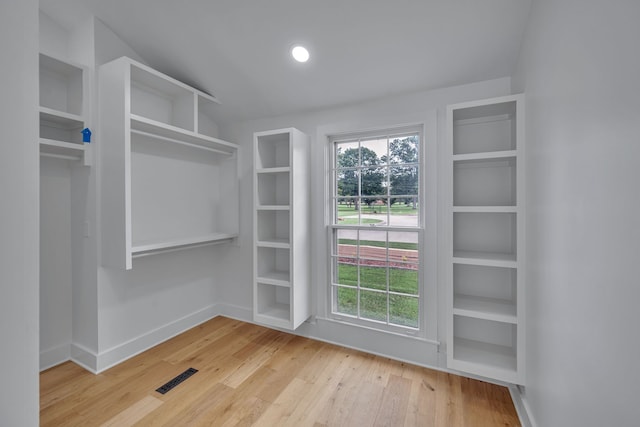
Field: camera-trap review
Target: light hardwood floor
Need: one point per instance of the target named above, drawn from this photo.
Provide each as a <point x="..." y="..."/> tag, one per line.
<point x="250" y="375"/>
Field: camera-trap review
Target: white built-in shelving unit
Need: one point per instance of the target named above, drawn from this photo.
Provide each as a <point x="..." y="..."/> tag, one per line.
<point x="281" y="296"/>
<point x="168" y="183"/>
<point x="63" y="109"/>
<point x="485" y="280"/>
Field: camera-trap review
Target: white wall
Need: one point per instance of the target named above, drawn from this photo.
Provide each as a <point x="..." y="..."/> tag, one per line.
<point x="55" y="261"/>
<point x="235" y="265"/>
<point x="580" y="69"/>
<point x="19" y="213"/>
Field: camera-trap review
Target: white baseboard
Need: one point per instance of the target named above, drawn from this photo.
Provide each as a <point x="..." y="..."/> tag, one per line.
<point x="235" y="312"/>
<point x="522" y="407"/>
<point x="54" y="356"/>
<point x="84" y="357"/>
<point x="118" y="354"/>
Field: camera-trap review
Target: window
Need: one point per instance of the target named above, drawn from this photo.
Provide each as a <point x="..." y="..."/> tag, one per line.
<point x="376" y="229"/>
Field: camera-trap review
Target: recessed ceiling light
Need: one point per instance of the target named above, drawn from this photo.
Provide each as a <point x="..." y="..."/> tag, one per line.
<point x="300" y="53"/>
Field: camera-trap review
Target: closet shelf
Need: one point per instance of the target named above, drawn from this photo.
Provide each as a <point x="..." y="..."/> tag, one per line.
<point x="273" y="207"/>
<point x="486" y="209"/>
<point x="274" y="243"/>
<point x="61" y="119"/>
<point x="60" y="149"/>
<point x="140" y="250"/>
<point x="490" y="259"/>
<point x="484" y="308"/>
<point x="274" y="277"/>
<point x="485" y="357"/>
<point x="484" y="155"/>
<point x="283" y="169"/>
<point x="276" y="313"/>
<point x="153" y="128"/>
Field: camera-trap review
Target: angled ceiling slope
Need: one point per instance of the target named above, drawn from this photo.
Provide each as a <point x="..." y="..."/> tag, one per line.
<point x="360" y="49"/>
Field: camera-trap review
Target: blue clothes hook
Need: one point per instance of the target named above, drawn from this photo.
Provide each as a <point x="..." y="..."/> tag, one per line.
<point x="86" y="135"/>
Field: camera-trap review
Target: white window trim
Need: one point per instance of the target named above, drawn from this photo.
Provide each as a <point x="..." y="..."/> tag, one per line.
<point x="428" y="327"/>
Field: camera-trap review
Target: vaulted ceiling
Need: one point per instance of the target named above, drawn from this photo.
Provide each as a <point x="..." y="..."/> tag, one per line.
<point x="238" y="50"/>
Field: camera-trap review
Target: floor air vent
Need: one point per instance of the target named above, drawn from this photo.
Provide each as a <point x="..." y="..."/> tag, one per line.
<point x="177" y="380"/>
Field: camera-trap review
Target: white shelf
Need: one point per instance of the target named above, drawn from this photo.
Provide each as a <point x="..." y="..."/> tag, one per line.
<point x="61" y="149"/>
<point x="485" y="209"/>
<point x="143" y="249"/>
<point x="282" y="169"/>
<point x="274" y="243"/>
<point x="273" y="207"/>
<point x="485" y="355"/>
<point x="488" y="155"/>
<point x="275" y="277"/>
<point x="60" y="119"/>
<point x="276" y="312"/>
<point x="485" y="308"/>
<point x="489" y="259"/>
<point x="179" y="135"/>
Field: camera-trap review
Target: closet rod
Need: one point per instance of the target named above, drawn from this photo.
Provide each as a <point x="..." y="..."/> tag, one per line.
<point x="177" y="141"/>
<point x="59" y="156"/>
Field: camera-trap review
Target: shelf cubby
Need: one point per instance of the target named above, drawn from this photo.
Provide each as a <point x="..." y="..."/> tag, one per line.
<point x="272" y="151"/>
<point x="274" y="265"/>
<point x="485" y="291"/>
<point x="484" y="128"/>
<point x="485" y="233"/>
<point x="496" y="350"/>
<point x="273" y="189"/>
<point x="274" y="304"/>
<point x="207" y="116"/>
<point x="273" y="228"/>
<point x="61" y="87"/>
<point x="485" y="182"/>
<point x="161" y="98"/>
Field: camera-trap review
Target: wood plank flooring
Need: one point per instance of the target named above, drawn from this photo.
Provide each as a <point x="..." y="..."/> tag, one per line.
<point x="253" y="376"/>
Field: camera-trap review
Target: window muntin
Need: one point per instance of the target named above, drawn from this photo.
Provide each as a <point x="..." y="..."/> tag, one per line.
<point x="376" y="230"/>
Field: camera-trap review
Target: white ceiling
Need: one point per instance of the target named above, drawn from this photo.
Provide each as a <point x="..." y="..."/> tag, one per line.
<point x="238" y="50"/>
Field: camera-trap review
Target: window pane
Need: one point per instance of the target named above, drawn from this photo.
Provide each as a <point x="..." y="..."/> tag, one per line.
<point x="373" y="151"/>
<point x="373" y="305"/>
<point x="347" y="210"/>
<point x="403" y="180"/>
<point x="347" y="154"/>
<point x="373" y="244"/>
<point x="374" y="210"/>
<point x="346" y="272"/>
<point x="404" y="212"/>
<point x="407" y="241"/>
<point x="347" y="182"/>
<point x="346" y="243"/>
<point x="403" y="278"/>
<point x="374" y="182"/>
<point x="346" y="300"/>
<point x="404" y="150"/>
<point x="403" y="310"/>
<point x="373" y="276"/>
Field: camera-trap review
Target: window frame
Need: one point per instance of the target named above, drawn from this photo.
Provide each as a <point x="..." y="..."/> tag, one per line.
<point x="388" y="133"/>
